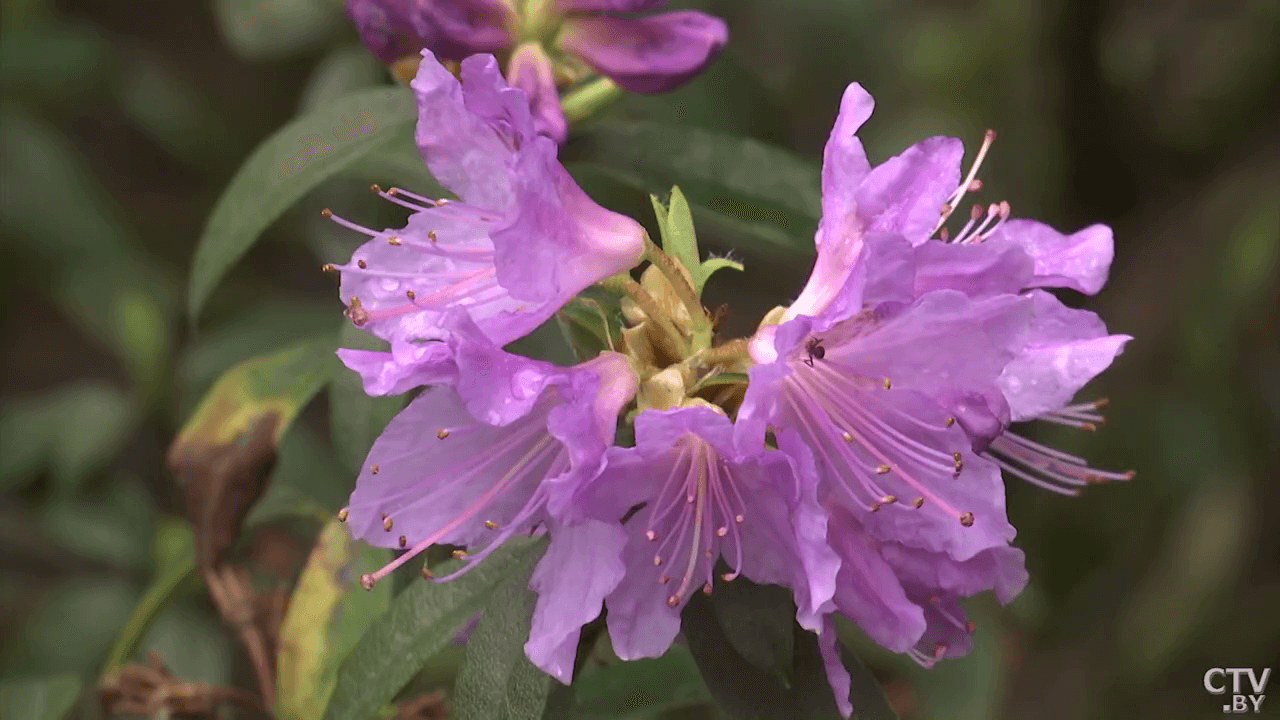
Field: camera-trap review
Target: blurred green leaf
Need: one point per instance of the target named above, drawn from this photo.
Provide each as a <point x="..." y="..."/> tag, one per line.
<point x="275" y="29"/>
<point x="71" y="627"/>
<point x="193" y="645"/>
<point x="173" y="112"/>
<point x="74" y="430"/>
<point x="328" y="612"/>
<point x="422" y="620"/>
<point x="57" y="61"/>
<point x="175" y="557"/>
<point x="591" y="322"/>
<point x="497" y="681"/>
<point x="640" y="688"/>
<point x="356" y="419"/>
<point x="678" y="239"/>
<point x="38" y="698"/>
<point x="223" y="452"/>
<point x="43" y="175"/>
<point x="283" y="169"/>
<point x="344" y="70"/>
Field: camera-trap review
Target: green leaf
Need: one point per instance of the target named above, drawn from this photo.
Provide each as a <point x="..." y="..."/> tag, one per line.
<point x="225" y="448"/>
<point x="679" y="239"/>
<point x="328" y="612"/>
<point x="276" y="29"/>
<point x="640" y="688"/>
<point x="757" y="621"/>
<point x="38" y="698"/>
<point x="357" y="419"/>
<point x="497" y="681"/>
<point x="591" y="322"/>
<point x="750" y="693"/>
<point x="710" y="168"/>
<point x="175" y="567"/>
<point x="283" y="169"/>
<point x="422" y="620"/>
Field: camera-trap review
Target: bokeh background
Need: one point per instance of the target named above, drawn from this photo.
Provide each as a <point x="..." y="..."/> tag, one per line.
<point x="121" y="122"/>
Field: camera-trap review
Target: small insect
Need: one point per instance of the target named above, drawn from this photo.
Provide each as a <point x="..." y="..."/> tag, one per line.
<point x="815" y="350"/>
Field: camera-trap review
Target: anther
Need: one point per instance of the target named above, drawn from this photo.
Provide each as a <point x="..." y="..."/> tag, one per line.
<point x="442" y="202"/>
<point x="673" y="601"/>
<point x="727" y="577"/>
<point x="664" y="579"/>
<point x="444" y="433"/>
<point x="1101" y="403"/>
<point x="847" y="437"/>
<point x="950" y="421"/>
<point x="722" y="531"/>
<point x="410" y="294"/>
<point x="367" y="581"/>
<point x="431" y="235"/>
<point x="976" y="185"/>
<point x="326" y="213"/>
<point x="373" y="469"/>
<point x="362" y="265"/>
<point x="342" y="515"/>
<point x="459" y="554"/>
<point x="386" y="522"/>
<point x="426" y="573"/>
<point x="707" y="553"/>
<point x="359" y="316"/>
<point x="393" y="240"/>
<point x="875" y="507"/>
<point x="967" y="519"/>
<point x="939" y="651"/>
<point x="889" y="499"/>
<point x="657" y="561"/>
<point x="888" y="383"/>
<point x="970" y="626"/>
<point x="404" y="541"/>
<point x="738" y="518"/>
<point x="376" y="188"/>
<point x="706" y="588"/>
<point x="653" y="536"/>
<point x="329" y="268"/>
<point x="917" y="503"/>
<point x="957" y="456"/>
<point x="491" y="524"/>
<point x="883" y="469"/>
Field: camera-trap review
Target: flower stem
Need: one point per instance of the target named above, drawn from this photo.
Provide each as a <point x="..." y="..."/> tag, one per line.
<point x="653" y="312"/>
<point x="585" y="101"/>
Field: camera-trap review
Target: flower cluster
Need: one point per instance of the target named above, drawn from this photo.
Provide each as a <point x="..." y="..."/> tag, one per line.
<point x="549" y="44"/>
<point x="851" y="450"/>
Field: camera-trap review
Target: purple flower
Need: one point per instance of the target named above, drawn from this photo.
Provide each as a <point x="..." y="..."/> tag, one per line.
<point x="700" y="499"/>
<point x="521" y="240"/>
<point x="652" y="54"/>
<point x="477" y="462"/>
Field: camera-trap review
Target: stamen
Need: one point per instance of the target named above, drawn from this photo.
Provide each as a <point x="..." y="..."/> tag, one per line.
<point x="373" y="469"/>
<point x="491" y="524"/>
<point x="967" y="519"/>
<point x="342" y="515"/>
<point x="403" y="541"/>
<point x="444" y="433"/>
<point x="967" y="184"/>
<point x="328" y="215"/>
<point x="386" y="522"/>
<point x="883" y="469"/>
<point x="459" y="554"/>
<point x="426" y="574"/>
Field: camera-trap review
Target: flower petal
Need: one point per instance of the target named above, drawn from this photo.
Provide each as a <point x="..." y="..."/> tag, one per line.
<point x="976" y="269"/>
<point x="1067" y="348"/>
<point x="1002" y="569"/>
<point x="582" y="565"/>
<point x="530" y="70"/>
<point x="844" y="166"/>
<point x="458" y="28"/>
<point x="905" y="194"/>
<point x="621" y="6"/>
<point x="641" y="624"/>
<point x="837" y="674"/>
<point x="646" y="55"/>
<point x="868" y="591"/>
<point x="387" y="28"/>
<point x="383" y="374"/>
<point x="1079" y="261"/>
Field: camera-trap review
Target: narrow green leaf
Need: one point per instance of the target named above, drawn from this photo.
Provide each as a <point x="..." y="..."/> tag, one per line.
<point x="683" y="241"/>
<point x="284" y="168"/>
<point x="328" y="612"/>
<point x="175" y="565"/>
<point x="710" y="266"/>
<point x="422" y="620"/>
<point x="660" y="214"/>
<point x="497" y="681"/>
<point x="276" y="29"/>
<point x="706" y="165"/>
<point x="355" y="418"/>
<point x="38" y="698"/>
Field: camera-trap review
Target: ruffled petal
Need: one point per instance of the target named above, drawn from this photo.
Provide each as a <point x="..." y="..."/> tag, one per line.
<point x="646" y="55"/>
<point x="458" y="28"/>
<point x="1079" y="261"/>
<point x="620" y="6"/>
<point x="1002" y="569"/>
<point x="905" y="194"/>
<point x="844" y="166"/>
<point x="641" y="623"/>
<point x="456" y="130"/>
<point x="868" y="591"/>
<point x="1067" y="348"/>
<point x="582" y="565"/>
<point x="387" y="28"/>
<point x="837" y="674"/>
<point x="383" y="374"/>
<point x="975" y="269"/>
<point x="530" y="70"/>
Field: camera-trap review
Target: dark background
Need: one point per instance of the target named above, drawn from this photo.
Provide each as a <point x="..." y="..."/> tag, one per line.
<point x="121" y="122"/>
